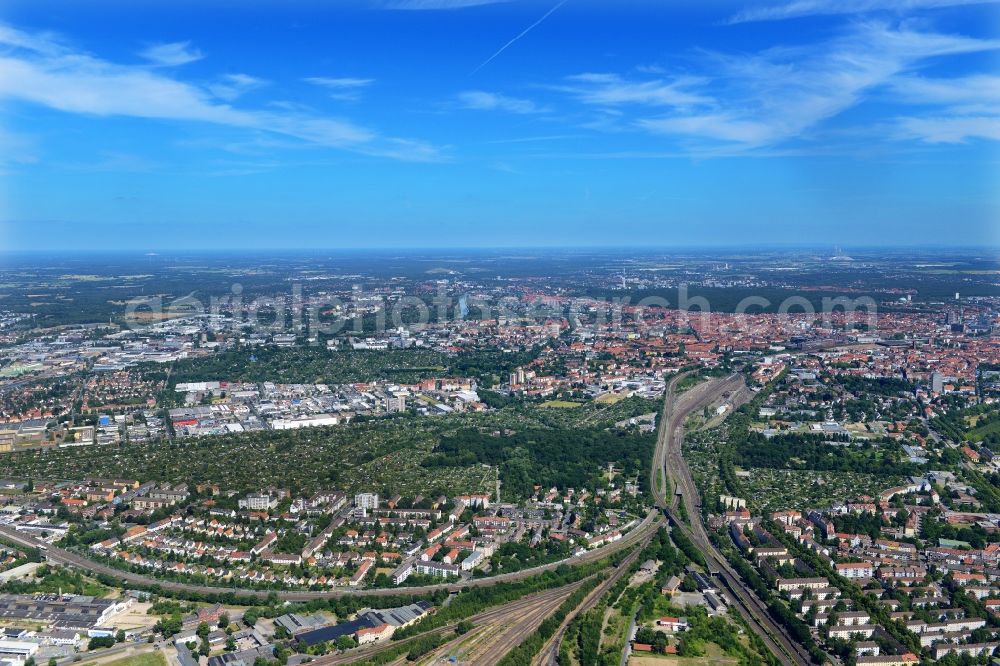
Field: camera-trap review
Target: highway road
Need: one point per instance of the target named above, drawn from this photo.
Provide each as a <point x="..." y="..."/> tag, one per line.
<point x="669" y="458"/>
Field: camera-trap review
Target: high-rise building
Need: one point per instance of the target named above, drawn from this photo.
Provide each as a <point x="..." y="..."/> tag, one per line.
<point x="937" y="382"/>
<point x="366" y="501"/>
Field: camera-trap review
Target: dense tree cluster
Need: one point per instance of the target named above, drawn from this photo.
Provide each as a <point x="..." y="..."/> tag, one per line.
<point x="561" y="458"/>
<point x="887" y="386"/>
<point x="980" y="423"/>
<point x="820" y="452"/>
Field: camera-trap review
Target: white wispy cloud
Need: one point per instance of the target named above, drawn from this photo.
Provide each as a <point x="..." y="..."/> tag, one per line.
<point x="968" y="108"/>
<point x="231" y="86"/>
<point x="716" y="126"/>
<point x="342" y="88"/>
<point x="800" y="8"/>
<point x="40" y="70"/>
<point x="974" y="89"/>
<point x="605" y="89"/>
<point x="338" y="83"/>
<point x="171" y="54"/>
<point x="783" y="94"/>
<point x="950" y="129"/>
<point x="481" y="100"/>
<point x="39" y="43"/>
<point x="437" y="5"/>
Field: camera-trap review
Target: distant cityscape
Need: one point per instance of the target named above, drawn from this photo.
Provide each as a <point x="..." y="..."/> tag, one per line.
<point x="361" y="472"/>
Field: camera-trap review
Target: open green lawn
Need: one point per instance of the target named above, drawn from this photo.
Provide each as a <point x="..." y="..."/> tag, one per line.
<point x="561" y="404"/>
<point x="688" y="382"/>
<point x="990" y="426"/>
<point x="145" y="659"/>
<point x="643" y="659"/>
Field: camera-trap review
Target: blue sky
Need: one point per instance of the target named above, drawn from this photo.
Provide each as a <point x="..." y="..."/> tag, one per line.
<point x="428" y="123"/>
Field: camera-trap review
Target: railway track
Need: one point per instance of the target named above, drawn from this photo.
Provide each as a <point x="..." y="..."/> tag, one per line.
<point x="515" y="609"/>
<point x="669" y="454"/>
<point x="549" y="654"/>
<point x="514" y="635"/>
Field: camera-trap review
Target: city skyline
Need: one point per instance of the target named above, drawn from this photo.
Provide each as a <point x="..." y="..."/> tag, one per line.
<point x="470" y="123"/>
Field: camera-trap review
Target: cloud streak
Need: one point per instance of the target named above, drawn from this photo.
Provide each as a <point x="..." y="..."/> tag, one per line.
<point x="341" y="88"/>
<point x="520" y="35"/>
<point x="439" y="5"/>
<point x="786" y="94"/>
<point x="231" y="86"/>
<point x="39" y="70"/>
<point x="604" y="89"/>
<point x="801" y="8"/>
<point x="338" y="83"/>
<point x="171" y="54"/>
<point x="481" y="100"/>
<point x="975" y="89"/>
<point x="950" y="129"/>
<point x="971" y="108"/>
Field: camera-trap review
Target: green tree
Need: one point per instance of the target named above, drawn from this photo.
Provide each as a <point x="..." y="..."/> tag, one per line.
<point x="170" y="625"/>
<point x="345" y="643"/>
<point x="100" y="642"/>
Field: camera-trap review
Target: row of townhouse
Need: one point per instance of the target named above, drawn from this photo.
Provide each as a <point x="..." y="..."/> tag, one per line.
<point x="247" y="574"/>
<point x="843" y="618"/>
<point x="855" y="570"/>
<point x="604" y="539"/>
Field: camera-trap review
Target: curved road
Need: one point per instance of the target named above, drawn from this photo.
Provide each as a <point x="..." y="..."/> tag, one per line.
<point x="57" y="555"/>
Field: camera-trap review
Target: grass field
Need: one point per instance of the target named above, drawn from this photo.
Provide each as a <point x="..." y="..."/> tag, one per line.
<point x="609" y="398"/>
<point x="145" y="659"/>
<point x="688" y="383"/>
<point x="991" y="426"/>
<point x="561" y="404"/>
<point x="714" y="657"/>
